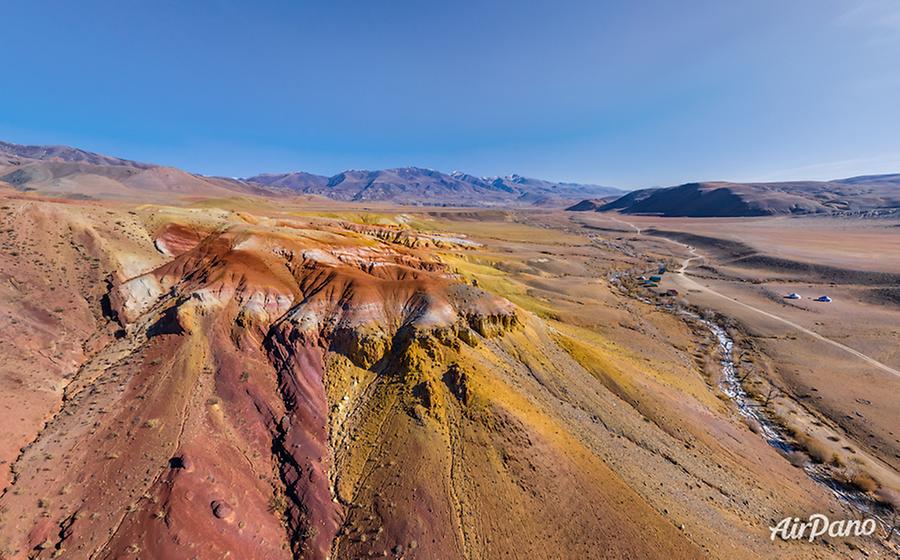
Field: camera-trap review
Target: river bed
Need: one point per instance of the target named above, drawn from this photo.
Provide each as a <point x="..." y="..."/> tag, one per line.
<point x="776" y="436"/>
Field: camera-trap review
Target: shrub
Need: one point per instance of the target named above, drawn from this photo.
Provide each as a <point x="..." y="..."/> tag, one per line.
<point x="861" y="480"/>
<point x="820" y="451"/>
<point x="278" y="504"/>
<point x="796" y="458"/>
<point x="889" y="498"/>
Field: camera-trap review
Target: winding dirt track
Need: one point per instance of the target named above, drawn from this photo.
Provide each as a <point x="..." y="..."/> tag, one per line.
<point x="693" y="284"/>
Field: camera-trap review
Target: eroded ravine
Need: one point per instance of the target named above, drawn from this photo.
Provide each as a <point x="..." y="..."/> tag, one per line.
<point x="300" y="443"/>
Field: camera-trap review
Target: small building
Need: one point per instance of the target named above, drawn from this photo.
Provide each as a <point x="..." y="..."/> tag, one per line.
<point x="650" y="284"/>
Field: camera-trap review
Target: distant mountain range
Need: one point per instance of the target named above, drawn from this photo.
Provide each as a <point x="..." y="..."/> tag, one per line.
<point x="415" y="185"/>
<point x="67" y="171"/>
<point x="72" y="172"/>
<point x="856" y="195"/>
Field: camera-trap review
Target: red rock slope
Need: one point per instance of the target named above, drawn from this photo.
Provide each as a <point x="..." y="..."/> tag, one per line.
<point x="264" y="389"/>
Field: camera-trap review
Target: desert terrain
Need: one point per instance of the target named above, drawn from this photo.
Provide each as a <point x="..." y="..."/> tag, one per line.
<point x="231" y="377"/>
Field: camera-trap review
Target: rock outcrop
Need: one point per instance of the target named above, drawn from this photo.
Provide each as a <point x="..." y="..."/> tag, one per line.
<point x="226" y="344"/>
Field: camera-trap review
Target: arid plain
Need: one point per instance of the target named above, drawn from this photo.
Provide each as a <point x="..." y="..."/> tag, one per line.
<point x="231" y="377"/>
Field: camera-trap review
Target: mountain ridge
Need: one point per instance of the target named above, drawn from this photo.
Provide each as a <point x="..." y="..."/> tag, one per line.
<point x="418" y="185"/>
<point x="69" y="171"/>
<point x="63" y="153"/>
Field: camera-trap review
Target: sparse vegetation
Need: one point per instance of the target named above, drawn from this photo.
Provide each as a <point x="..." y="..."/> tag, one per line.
<point x="858" y="478"/>
<point x="817" y="449"/>
<point x="278" y="504"/>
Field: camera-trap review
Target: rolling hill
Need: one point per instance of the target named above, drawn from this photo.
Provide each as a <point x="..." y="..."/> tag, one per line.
<point x="856" y="195"/>
<point x="11" y="152"/>
<point x="75" y="173"/>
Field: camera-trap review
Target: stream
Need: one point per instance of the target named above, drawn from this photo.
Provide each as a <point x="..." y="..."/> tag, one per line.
<point x="776" y="436"/>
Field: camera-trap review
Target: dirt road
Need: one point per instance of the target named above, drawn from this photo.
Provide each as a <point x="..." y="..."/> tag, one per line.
<point x="690" y="283"/>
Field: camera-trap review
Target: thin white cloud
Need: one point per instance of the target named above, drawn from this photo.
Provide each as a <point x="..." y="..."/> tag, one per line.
<point x="880" y="18"/>
<point x="838" y="169"/>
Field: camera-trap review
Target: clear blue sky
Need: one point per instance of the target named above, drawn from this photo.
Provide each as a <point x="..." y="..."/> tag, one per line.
<point x="622" y="93"/>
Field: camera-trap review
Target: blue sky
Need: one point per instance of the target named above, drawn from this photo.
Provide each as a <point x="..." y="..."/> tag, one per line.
<point x="622" y="93"/>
